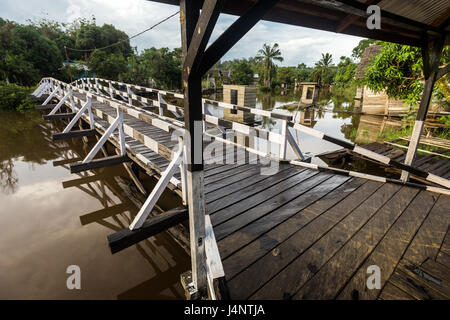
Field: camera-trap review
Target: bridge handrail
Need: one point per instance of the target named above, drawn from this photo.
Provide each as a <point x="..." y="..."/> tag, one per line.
<point x="161" y="121"/>
<point x="264" y="113"/>
<point x="287" y="138"/>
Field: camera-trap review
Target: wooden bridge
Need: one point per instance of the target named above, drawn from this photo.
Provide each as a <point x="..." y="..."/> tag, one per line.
<point x="275" y="228"/>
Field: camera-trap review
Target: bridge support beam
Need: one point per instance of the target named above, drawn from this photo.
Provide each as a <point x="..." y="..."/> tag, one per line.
<point x="432" y="73"/>
<point x="196" y="29"/>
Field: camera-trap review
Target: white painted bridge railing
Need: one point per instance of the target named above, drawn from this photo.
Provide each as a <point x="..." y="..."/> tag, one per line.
<point x="284" y="138"/>
<point x="65" y="93"/>
<point x="127" y="94"/>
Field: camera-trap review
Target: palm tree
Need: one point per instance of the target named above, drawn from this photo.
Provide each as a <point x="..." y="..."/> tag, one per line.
<point x="326" y="60"/>
<point x="267" y="55"/>
<point x="321" y="67"/>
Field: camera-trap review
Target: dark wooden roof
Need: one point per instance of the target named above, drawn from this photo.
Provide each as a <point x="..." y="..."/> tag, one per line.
<point x="402" y="21"/>
<point x="365" y="60"/>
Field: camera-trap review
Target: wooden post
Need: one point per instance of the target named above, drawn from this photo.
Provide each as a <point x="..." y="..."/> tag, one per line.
<point x="96" y="86"/>
<point x="110" y="90"/>
<point x="161" y="111"/>
<point x="283" y="145"/>
<point x="189" y="14"/>
<point x="196" y="31"/>
<point x="130" y="100"/>
<point x="430" y="67"/>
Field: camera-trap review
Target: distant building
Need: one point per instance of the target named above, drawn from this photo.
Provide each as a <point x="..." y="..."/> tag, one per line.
<point x="241" y="96"/>
<point x="310" y="92"/>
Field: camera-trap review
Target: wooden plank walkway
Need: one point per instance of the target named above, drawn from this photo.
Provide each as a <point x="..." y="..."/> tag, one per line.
<point x="303" y="234"/>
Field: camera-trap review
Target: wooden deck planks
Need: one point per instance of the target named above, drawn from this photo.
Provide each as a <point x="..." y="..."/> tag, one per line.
<point x="290" y="280"/>
<point x="305" y="194"/>
<point x="340" y="268"/>
<point x="407" y="278"/>
<point x="256" y="198"/>
<point x="428" y="240"/>
<point x="267" y="267"/>
<point x="247" y="255"/>
<point x="251" y="216"/>
<point x="390" y="249"/>
<point x="249" y="190"/>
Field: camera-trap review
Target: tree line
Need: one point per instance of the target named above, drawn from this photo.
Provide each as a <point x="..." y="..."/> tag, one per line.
<point x="39" y="48"/>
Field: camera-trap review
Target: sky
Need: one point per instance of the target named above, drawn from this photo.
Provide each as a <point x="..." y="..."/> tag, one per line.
<point x="297" y="44"/>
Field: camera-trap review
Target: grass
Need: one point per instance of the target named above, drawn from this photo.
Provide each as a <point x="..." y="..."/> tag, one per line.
<point x="393" y="134"/>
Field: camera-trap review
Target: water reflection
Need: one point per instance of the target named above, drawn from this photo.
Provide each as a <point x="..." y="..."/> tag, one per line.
<point x="47" y="226"/>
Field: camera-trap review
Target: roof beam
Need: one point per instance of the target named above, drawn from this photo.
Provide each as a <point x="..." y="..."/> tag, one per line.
<point x="234" y="33"/>
<point x="210" y="13"/>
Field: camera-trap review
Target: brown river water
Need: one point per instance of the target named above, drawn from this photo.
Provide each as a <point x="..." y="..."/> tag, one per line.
<point x="44" y="228"/>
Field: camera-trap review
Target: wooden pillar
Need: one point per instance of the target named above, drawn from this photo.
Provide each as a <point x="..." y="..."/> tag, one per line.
<point x="189" y="15"/>
<point x="430" y="67"/>
<point x="196" y="31"/>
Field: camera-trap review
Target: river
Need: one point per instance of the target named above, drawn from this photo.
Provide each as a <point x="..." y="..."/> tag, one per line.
<point x="44" y="227"/>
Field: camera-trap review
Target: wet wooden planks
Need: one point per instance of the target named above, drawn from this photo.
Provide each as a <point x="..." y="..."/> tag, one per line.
<point x="315" y="241"/>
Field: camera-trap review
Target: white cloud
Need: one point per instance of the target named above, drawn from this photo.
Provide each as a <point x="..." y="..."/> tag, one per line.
<point x="297" y="44"/>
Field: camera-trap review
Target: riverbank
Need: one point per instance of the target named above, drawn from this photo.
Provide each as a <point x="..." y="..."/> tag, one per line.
<point x="13" y="96"/>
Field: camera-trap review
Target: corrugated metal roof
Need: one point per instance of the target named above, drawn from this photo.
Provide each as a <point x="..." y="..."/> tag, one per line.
<point x="425" y="11"/>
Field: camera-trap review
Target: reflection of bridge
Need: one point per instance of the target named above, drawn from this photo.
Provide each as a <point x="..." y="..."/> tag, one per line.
<point x="118" y="211"/>
<point x="271" y="224"/>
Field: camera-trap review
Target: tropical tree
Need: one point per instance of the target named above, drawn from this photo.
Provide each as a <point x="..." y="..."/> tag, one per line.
<point x="358" y="51"/>
<point x="287" y="75"/>
<point x="304" y="73"/>
<point x="345" y="71"/>
<point x="266" y="56"/>
<point x="398" y="69"/>
<point x="107" y="66"/>
<point x="26" y="55"/>
<point x="323" y="72"/>
<point x="242" y="73"/>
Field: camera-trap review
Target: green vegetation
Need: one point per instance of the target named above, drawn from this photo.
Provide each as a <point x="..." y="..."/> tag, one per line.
<point x="398" y="70"/>
<point x="266" y="56"/>
<point x="242" y="73"/>
<point x="13" y="96"/>
<point x="324" y="71"/>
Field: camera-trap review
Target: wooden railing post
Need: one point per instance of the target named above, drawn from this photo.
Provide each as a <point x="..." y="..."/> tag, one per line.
<point x="130" y="100"/>
<point x="283" y="145"/>
<point x="123" y="149"/>
<point x="88" y="84"/>
<point x="96" y="86"/>
<point x="111" y="90"/>
<point x="431" y="66"/>
<point x="182" y="146"/>
<point x="161" y="111"/>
